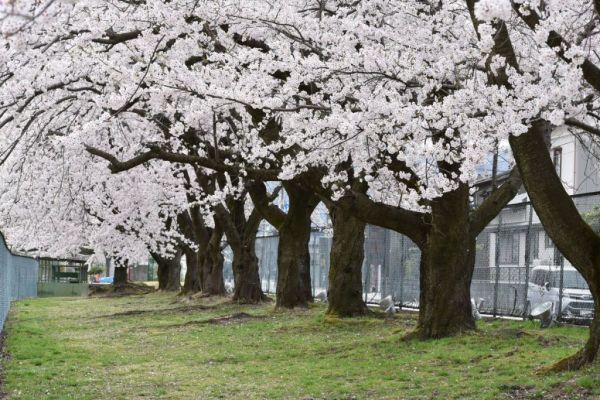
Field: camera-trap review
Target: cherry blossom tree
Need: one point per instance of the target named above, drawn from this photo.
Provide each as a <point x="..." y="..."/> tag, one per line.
<point x="384" y="110"/>
<point x="57" y="201"/>
<point x="289" y="94"/>
<point x="540" y="47"/>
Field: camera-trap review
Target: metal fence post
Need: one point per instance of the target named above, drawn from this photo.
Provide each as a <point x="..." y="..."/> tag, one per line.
<point x="402" y="269"/>
<point x="385" y="265"/>
<point x="527" y="261"/>
<point x="312" y="262"/>
<point x="561" y="286"/>
<point x="497" y="261"/>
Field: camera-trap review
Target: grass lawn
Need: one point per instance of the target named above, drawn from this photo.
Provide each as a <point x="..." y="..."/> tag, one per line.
<point x="157" y="346"/>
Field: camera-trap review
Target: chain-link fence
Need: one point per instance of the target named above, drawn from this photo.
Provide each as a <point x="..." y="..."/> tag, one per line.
<point x="18" y="279"/>
<point x="517" y="267"/>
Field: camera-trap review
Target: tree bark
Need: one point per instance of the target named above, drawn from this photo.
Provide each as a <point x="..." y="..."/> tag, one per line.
<point x="573" y="237"/>
<point x="213" y="283"/>
<point x="293" y="258"/>
<point x="447" y="264"/>
<point x="247" y="280"/>
<point x="120" y="277"/>
<point x="192" y="283"/>
<point x="241" y="237"/>
<point x="190" y="224"/>
<point x="345" y="295"/>
<point x="169" y="272"/>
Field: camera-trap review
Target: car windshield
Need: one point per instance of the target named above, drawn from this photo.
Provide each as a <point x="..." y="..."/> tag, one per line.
<point x="571" y="280"/>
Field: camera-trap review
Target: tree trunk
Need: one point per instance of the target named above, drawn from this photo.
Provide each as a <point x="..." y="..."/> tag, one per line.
<point x="245" y="270"/>
<point x="591" y="351"/>
<point x="447" y="263"/>
<point x="345" y="296"/>
<point x="305" y="275"/>
<point x="120" y="278"/>
<point x="212" y="268"/>
<point x="293" y="258"/>
<point x="291" y="255"/>
<point x="192" y="283"/>
<point x="241" y="236"/>
<point x="169" y="272"/>
<point x="573" y="237"/>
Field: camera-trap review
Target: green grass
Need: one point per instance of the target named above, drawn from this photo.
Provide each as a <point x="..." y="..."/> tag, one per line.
<point x="65" y="348"/>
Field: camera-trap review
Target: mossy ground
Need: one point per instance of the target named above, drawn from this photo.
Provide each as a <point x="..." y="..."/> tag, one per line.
<point x="159" y="346"/>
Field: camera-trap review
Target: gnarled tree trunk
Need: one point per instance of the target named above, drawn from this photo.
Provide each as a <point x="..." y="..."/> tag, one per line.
<point x="345" y="296"/>
<point x="212" y="266"/>
<point x="192" y="283"/>
<point x="447" y="264"/>
<point x="169" y="272"/>
<point x="241" y="236"/>
<point x="191" y="224"/>
<point x="120" y="277"/>
<point x="212" y="271"/>
<point x="245" y="270"/>
<point x="293" y="258"/>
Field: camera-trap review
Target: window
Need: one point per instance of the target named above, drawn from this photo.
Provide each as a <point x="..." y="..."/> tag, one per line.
<point x="509" y="248"/>
<point x="534" y="245"/>
<point x="557" y="160"/>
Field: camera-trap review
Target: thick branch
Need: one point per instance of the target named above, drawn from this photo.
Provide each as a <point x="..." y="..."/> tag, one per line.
<point x="233" y="236"/>
<point x="488" y="210"/>
<point x="409" y="223"/>
<point x="113" y="38"/>
<point x="117" y="166"/>
<point x="578" y="124"/>
<point x="260" y="198"/>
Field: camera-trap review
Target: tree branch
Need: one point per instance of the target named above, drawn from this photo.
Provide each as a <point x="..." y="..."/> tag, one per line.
<point x="581" y="125"/>
<point x="410" y="223"/>
<point x="117" y="166"/>
<point x="492" y="206"/>
<point x="260" y="198"/>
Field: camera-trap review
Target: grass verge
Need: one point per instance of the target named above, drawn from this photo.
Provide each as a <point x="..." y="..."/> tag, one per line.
<point x="158" y="346"/>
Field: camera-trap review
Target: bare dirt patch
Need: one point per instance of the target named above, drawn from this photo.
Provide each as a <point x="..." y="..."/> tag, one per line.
<point x="183" y="309"/>
<point x="237" y="318"/>
<point x="129" y="289"/>
<point x="568" y="390"/>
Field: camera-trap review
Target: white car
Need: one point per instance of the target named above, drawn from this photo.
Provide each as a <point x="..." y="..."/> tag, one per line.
<point x="544" y="285"/>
